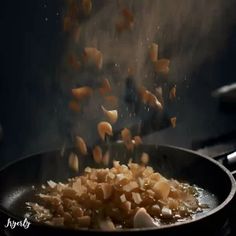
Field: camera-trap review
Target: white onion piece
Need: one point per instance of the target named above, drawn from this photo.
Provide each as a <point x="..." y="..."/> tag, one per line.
<point x="143" y="220"/>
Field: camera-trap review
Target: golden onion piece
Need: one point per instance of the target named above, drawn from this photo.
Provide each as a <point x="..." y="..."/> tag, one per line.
<point x="97" y="154"/>
<point x="159" y="94"/>
<point x="126" y="135"/>
<point x="162" y="66"/>
<point x="82" y="92"/>
<point x="154" y="102"/>
<point x="93" y="56"/>
<point x="150" y="99"/>
<point x="112" y="115"/>
<point x="74" y="162"/>
<point x="99" y="60"/>
<point x="153" y="52"/>
<point x="162" y="188"/>
<point x="106" y="158"/>
<point x="104" y="128"/>
<point x="127" y="139"/>
<point x="144" y="158"/>
<point x="173" y="121"/>
<point x="81" y="145"/>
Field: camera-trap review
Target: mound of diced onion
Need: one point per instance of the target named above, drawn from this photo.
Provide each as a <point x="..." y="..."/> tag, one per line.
<point x="109" y="199"/>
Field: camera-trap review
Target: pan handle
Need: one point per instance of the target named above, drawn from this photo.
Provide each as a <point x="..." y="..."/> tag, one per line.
<point x="229" y="161"/>
<point x="231" y="158"/>
<point x="234" y="174"/>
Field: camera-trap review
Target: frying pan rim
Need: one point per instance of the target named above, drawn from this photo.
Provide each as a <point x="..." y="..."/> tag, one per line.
<point x="227" y="200"/>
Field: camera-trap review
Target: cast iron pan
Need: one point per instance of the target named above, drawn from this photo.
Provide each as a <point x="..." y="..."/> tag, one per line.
<point x="16" y="182"/>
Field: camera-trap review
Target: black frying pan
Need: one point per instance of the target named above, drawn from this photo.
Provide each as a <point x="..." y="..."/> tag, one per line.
<point x="16" y="182"/>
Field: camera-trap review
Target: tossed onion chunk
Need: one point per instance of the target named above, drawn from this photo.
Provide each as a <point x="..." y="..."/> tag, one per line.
<point x="74" y="162"/>
<point x="112" y="115"/>
<point x="81" y="145"/>
<point x="104" y="128"/>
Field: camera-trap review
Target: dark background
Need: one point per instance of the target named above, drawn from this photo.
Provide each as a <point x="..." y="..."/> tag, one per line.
<point x="31" y="46"/>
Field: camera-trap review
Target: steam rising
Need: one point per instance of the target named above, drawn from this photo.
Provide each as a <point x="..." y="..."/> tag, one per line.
<point x="188" y="32"/>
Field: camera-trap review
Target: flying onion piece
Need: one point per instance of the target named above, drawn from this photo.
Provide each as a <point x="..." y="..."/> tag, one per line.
<point x="82" y="92"/>
<point x="153" y="101"/>
<point x="144" y="158"/>
<point x="106" y="158"/>
<point x="93" y="55"/>
<point x="173" y="121"/>
<point x="81" y="145"/>
<point x="162" y="189"/>
<point x="126" y="135"/>
<point x="97" y="154"/>
<point x="143" y="93"/>
<point x="112" y="115"/>
<point x="149" y="98"/>
<point x="162" y="66"/>
<point x="127" y="138"/>
<point x="99" y="60"/>
<point x="74" y="162"/>
<point x="153" y="53"/>
<point x="143" y="220"/>
<point x="104" y="128"/>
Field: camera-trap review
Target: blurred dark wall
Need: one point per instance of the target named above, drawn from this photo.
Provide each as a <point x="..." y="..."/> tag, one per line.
<point x="31" y="45"/>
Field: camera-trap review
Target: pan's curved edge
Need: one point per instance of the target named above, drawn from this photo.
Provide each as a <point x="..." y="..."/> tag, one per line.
<point x="30" y="155"/>
<point x="211" y="212"/>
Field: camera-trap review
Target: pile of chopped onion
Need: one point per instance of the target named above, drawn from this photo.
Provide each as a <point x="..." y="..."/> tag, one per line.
<point x="124" y="196"/>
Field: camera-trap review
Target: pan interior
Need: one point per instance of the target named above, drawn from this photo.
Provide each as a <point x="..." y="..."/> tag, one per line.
<point x="23" y="179"/>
